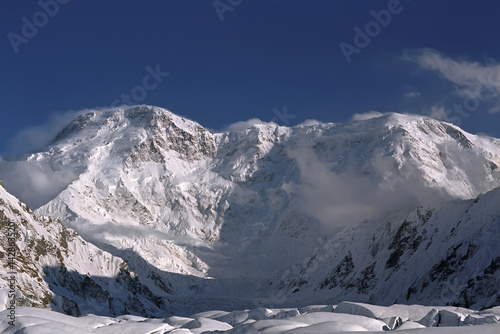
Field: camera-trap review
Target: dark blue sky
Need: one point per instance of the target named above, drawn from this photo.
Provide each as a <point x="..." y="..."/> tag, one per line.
<point x="264" y="54"/>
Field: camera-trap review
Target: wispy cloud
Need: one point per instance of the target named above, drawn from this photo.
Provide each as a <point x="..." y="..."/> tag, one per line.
<point x="410" y="92"/>
<point x="439" y="113"/>
<point x="472" y="80"/>
<point x="37" y="137"/>
<point x="309" y="122"/>
<point x="411" y="95"/>
<point x="367" y="115"/>
<point x="35" y="183"/>
<point x="345" y="199"/>
<point x="101" y="233"/>
<point x="242" y="125"/>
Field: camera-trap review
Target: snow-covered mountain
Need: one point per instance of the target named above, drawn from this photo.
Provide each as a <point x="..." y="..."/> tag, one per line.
<point x="439" y="256"/>
<point x="234" y="217"/>
<point x="46" y="264"/>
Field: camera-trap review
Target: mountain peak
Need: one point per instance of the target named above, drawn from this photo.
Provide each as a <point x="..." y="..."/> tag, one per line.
<point x="92" y="123"/>
<point x="417" y="127"/>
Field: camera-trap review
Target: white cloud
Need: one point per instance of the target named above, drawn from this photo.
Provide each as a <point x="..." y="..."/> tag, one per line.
<point x="35" y="184"/>
<point x="242" y="125"/>
<point x="37" y="137"/>
<point x="412" y="94"/>
<point x="345" y="199"/>
<point x="439" y="113"/>
<point x="366" y="116"/>
<point x="309" y="122"/>
<point x="101" y="234"/>
<point x="332" y="199"/>
<point x="472" y="79"/>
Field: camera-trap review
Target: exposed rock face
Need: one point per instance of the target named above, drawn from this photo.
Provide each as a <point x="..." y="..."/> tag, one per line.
<point x="55" y="268"/>
<point x="444" y="256"/>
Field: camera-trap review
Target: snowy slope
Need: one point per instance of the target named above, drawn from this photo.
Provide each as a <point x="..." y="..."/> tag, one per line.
<point x="53" y="267"/>
<point x="204" y="216"/>
<point x="448" y="255"/>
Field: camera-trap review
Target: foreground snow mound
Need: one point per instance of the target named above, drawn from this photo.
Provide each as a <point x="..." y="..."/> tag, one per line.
<point x="345" y="317"/>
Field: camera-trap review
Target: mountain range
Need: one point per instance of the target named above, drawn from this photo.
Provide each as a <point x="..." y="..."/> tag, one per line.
<point x="149" y="213"/>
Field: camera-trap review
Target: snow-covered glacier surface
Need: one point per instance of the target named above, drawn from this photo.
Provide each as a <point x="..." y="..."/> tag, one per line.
<point x="342" y="318"/>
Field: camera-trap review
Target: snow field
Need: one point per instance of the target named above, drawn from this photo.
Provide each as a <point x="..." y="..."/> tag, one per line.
<point x="344" y="317"/>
